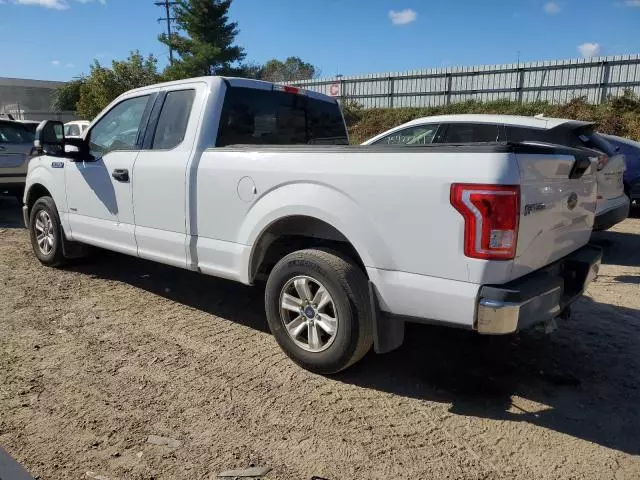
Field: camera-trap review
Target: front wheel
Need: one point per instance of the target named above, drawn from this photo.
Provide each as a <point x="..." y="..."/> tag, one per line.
<point x="318" y="310"/>
<point x="46" y="233"/>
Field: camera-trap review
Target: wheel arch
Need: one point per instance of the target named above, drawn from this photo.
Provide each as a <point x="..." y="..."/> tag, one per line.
<point x="35" y="191"/>
<point x="297" y="232"/>
<point x="315" y="212"/>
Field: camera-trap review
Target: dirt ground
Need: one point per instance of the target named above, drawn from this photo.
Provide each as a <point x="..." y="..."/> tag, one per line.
<point x="97" y="357"/>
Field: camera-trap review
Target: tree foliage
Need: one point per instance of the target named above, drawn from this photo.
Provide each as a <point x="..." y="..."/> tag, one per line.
<point x="104" y="84"/>
<point x="66" y="98"/>
<point x="204" y="41"/>
<point x="293" y="68"/>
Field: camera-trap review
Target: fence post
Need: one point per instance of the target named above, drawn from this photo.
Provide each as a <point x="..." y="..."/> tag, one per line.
<point x="390" y="90"/>
<point x="604" y="81"/>
<point x="449" y="83"/>
<point x="520" y="84"/>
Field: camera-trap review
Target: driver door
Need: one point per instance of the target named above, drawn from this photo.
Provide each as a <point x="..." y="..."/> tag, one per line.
<point x="99" y="190"/>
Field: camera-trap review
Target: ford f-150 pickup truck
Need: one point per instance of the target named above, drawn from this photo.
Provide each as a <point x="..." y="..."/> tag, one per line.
<point x="248" y="180"/>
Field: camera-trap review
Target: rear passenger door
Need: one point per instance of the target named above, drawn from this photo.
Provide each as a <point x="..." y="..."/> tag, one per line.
<point x="469" y="133"/>
<point x="160" y="175"/>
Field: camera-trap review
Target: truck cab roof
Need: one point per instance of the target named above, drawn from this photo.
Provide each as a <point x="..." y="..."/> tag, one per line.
<point x="213" y="81"/>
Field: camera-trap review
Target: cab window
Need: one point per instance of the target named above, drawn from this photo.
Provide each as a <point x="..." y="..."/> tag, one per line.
<point x="119" y="128"/>
<point x="174" y="117"/>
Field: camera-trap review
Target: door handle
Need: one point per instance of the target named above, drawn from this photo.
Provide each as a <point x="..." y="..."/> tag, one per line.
<point x="120" y="174"/>
<point x="2" y="149"/>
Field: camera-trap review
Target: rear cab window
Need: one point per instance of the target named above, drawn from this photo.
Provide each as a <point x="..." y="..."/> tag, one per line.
<point x="265" y="117"/>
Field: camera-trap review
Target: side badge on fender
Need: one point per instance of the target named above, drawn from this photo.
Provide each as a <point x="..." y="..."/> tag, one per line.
<point x="57" y="164"/>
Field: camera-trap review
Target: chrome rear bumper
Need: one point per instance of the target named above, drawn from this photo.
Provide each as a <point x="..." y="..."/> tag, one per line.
<point x="537" y="297"/>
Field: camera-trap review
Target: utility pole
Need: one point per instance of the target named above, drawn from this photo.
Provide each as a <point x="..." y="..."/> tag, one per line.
<point x="167" y="4"/>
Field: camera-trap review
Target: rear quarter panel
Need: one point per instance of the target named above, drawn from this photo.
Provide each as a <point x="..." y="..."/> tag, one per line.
<point x="392" y="205"/>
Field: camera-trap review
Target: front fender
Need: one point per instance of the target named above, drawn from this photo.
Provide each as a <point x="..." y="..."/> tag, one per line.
<point x="41" y="172"/>
<point x="322" y="202"/>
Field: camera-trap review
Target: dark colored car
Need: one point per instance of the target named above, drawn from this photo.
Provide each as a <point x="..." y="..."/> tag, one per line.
<point x="631" y="152"/>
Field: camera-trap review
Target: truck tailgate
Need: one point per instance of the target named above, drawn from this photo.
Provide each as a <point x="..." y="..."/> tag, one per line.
<point x="557" y="207"/>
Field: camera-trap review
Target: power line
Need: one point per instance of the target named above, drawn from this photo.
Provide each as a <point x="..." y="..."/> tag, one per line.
<point x="167" y="4"/>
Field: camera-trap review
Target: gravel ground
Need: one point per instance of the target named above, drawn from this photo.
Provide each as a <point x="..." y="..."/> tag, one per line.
<point x="97" y="357"/>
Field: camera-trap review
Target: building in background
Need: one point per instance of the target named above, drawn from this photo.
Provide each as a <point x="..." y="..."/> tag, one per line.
<point x="26" y="99"/>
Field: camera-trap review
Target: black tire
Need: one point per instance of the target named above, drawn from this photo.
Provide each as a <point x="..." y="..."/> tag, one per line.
<point x="54" y="257"/>
<point x="347" y="286"/>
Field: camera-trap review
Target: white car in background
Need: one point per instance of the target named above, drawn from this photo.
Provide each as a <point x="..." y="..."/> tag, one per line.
<point x="612" y="204"/>
<point x="75" y="128"/>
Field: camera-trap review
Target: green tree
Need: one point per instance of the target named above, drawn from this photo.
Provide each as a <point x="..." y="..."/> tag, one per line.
<point x="66" y="98"/>
<point x="204" y="40"/>
<point x="293" y="68"/>
<point x="104" y="84"/>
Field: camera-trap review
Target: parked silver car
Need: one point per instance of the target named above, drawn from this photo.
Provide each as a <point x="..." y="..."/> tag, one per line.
<point x="16" y="141"/>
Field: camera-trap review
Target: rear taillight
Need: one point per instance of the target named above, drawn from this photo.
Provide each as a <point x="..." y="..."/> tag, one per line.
<point x="491" y="215"/>
<point x="602" y="161"/>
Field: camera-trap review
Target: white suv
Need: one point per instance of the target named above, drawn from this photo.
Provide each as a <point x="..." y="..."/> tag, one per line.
<point x="612" y="204"/>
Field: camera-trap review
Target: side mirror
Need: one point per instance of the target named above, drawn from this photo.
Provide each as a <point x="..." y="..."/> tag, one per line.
<point x="49" y="138"/>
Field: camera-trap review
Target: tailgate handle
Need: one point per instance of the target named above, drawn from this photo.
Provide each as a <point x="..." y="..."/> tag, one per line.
<point x="580" y="166"/>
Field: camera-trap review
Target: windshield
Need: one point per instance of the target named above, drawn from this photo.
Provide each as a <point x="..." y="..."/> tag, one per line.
<point x="252" y="116"/>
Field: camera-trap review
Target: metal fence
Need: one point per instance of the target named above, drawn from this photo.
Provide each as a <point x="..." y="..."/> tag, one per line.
<point x="555" y="81"/>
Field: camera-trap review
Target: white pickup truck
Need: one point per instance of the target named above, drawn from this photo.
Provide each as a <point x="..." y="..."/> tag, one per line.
<point x="247" y="180"/>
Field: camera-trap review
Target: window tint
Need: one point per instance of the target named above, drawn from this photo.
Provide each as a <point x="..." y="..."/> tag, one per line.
<point x="251" y="116"/>
<point x="119" y="128"/>
<point x="470" y="133"/>
<point x="72" y="130"/>
<point x="418" y="135"/>
<point x="524" y="134"/>
<point x="326" y="125"/>
<point x="174" y="116"/>
<point x="14" y="133"/>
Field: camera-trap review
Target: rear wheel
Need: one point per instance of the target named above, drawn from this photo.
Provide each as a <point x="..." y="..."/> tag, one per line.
<point x="318" y="310"/>
<point x="45" y="232"/>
